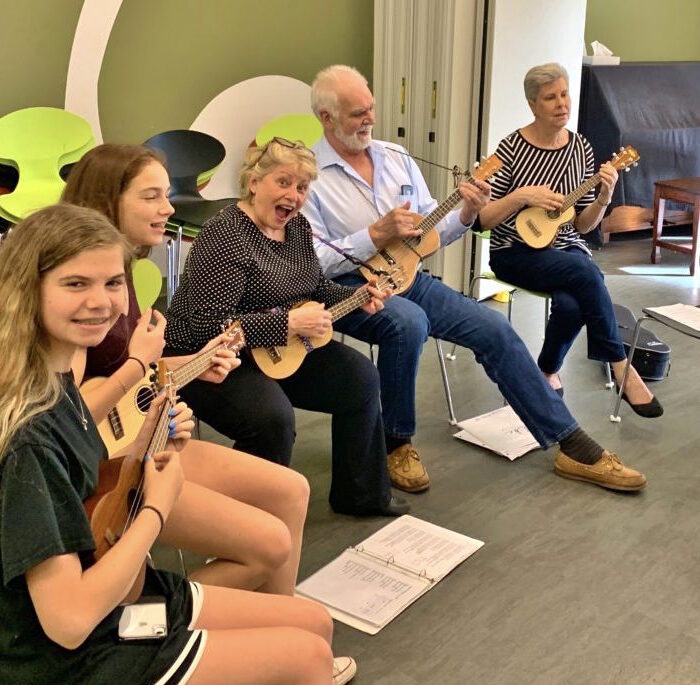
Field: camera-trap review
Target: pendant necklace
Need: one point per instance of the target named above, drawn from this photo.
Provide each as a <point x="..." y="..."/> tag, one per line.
<point x="81" y="413"/>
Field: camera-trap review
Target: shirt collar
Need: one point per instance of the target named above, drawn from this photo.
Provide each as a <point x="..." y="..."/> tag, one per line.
<point x="326" y="157"/>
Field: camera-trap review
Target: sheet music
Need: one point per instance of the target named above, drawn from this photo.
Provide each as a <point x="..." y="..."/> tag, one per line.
<point x="372" y="592"/>
<point x="685" y="314"/>
<point x="371" y="583"/>
<point x="420" y="546"/>
<point x="500" y="431"/>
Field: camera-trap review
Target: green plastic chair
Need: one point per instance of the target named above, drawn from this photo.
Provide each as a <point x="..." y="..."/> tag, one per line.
<point x="38" y="141"/>
<point x="148" y="282"/>
<point x="303" y="127"/>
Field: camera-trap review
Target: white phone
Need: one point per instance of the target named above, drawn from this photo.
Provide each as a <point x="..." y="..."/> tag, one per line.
<point x="146" y="619"/>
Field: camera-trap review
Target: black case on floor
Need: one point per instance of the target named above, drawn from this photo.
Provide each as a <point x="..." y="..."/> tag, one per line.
<point x="652" y="358"/>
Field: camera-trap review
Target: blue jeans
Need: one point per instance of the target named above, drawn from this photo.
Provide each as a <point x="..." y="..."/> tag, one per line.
<point x="430" y="307"/>
<point x="579" y="297"/>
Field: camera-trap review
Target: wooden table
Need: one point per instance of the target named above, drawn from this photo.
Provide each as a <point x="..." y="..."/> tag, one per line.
<point x="687" y="191"/>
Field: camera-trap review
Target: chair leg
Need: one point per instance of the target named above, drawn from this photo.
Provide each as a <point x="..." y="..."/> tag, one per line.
<point x="615" y="416"/>
<point x="197" y="428"/>
<point x="452" y="355"/>
<point x="371" y="355"/>
<point x="169" y="283"/>
<point x="446" y="383"/>
<point x="182" y="562"/>
<point x="609" y="384"/>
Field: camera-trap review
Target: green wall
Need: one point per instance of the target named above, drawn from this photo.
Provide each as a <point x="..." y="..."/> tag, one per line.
<point x="646" y="30"/>
<point x="166" y="59"/>
<point x="35" y="42"/>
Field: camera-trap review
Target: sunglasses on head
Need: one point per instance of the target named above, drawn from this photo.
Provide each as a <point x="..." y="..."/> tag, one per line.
<point x="292" y="145"/>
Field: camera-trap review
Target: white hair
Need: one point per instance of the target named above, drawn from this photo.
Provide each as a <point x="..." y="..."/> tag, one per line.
<point x="324" y="95"/>
<point x="540" y="75"/>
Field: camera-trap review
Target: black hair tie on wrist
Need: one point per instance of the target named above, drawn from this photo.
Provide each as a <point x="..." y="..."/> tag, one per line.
<point x="160" y="516"/>
<point x="140" y="363"/>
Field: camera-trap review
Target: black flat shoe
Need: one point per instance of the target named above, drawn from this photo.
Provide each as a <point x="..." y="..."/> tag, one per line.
<point x="396" y="506"/>
<point x="560" y="392"/>
<point x="648" y="410"/>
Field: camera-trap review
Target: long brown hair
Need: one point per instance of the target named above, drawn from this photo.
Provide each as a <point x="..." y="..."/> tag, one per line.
<point x="103" y="174"/>
<point x="34" y="247"/>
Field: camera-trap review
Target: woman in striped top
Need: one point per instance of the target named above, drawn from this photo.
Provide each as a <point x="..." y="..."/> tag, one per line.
<point x="542" y="163"/>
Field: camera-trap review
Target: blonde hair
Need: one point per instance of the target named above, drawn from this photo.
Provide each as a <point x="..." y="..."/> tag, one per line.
<point x="36" y="246"/>
<point x="540" y="75"/>
<point x="324" y="89"/>
<point x="260" y="161"/>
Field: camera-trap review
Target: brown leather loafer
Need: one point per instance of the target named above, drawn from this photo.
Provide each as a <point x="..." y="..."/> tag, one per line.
<point x="406" y="470"/>
<point x="608" y="472"/>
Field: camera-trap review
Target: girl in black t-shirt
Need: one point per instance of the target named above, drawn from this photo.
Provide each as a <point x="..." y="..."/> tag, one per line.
<point x="62" y="285"/>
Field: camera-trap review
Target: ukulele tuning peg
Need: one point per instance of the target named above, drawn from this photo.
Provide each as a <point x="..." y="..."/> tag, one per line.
<point x="622" y="147"/>
<point x="153" y="378"/>
<point x="476" y="165"/>
<point x="614" y="155"/>
<point x="153" y="365"/>
<point x="627" y="169"/>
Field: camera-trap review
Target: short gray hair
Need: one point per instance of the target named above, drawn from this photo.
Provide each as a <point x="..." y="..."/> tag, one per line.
<point x="540" y="75"/>
<point x="324" y="95"/>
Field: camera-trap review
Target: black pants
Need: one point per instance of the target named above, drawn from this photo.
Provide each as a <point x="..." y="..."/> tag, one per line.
<point x="257" y="412"/>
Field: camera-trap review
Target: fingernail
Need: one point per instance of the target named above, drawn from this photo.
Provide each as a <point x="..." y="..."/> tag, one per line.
<point x="172" y="424"/>
<point x="147" y="457"/>
<point x="171" y="412"/>
<point x="171" y="434"/>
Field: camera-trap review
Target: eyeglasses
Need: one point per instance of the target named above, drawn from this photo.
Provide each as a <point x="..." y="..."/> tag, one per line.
<point x="292" y="145"/>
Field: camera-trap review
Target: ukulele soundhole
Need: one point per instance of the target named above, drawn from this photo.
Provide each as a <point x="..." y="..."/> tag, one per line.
<point x="144" y="397"/>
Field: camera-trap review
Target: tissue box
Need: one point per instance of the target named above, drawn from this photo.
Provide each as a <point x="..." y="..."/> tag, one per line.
<point x="601" y="59"/>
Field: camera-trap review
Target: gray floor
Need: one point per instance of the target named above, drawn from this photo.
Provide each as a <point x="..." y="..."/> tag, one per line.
<point x="575" y="584"/>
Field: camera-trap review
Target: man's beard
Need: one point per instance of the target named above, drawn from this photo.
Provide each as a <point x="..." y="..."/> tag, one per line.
<point x="352" y="141"/>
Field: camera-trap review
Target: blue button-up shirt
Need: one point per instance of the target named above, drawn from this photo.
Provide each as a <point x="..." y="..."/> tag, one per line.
<point x="341" y="205"/>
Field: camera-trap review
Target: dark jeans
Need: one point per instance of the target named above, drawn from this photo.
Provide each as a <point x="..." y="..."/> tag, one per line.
<point x="579" y="297"/>
<point x="429" y="307"/>
<point x="257" y="412"/>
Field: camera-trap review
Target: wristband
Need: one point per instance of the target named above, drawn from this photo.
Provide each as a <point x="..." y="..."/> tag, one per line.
<point x="139" y="362"/>
<point x="603" y="204"/>
<point x="160" y="516"/>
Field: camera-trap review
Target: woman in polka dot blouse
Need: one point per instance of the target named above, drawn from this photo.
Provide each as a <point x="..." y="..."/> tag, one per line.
<point x="253" y="262"/>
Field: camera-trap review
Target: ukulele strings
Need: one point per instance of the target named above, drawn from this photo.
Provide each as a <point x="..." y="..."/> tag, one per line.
<point x="160" y="436"/>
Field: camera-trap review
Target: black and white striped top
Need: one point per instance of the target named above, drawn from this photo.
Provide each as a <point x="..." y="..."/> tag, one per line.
<point x="525" y="164"/>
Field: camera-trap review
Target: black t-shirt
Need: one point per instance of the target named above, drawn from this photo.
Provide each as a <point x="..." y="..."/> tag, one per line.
<point x="51" y="466"/>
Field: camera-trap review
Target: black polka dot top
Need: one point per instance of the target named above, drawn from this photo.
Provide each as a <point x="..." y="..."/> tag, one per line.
<point x="234" y="271"/>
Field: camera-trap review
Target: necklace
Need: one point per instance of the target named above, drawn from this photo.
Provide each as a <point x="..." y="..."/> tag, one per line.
<point x="81" y="413"/>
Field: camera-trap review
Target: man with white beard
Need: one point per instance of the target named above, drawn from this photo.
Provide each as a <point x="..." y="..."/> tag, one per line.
<point x="356" y="207"/>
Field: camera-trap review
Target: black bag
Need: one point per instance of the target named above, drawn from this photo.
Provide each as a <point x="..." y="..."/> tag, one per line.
<point x="652" y="358"/>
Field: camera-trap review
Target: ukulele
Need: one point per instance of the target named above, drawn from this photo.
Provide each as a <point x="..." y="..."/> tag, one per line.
<point x="539" y="227"/>
<point x="124" y="421"/>
<point x="282" y="361"/>
<point x="406" y="254"/>
<point x="118" y="497"/>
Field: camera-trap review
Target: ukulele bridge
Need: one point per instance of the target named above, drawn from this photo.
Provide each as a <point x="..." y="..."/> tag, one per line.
<point x="274" y="354"/>
<point x="531" y="225"/>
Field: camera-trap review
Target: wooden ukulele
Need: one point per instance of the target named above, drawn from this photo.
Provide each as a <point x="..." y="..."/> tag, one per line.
<point x="539" y="227"/>
<point x="406" y="254"/>
<point x="117" y="499"/>
<point x="124" y="421"/>
<point x="283" y="361"/>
